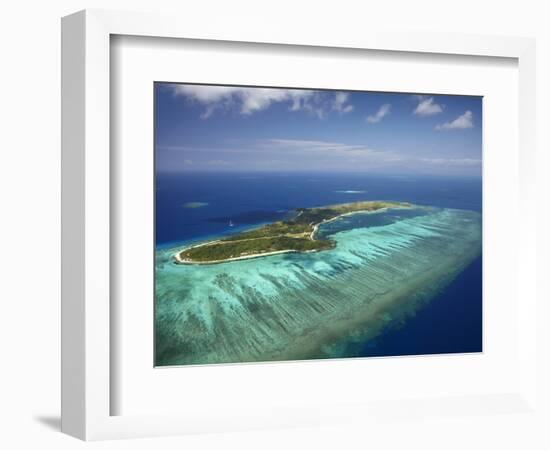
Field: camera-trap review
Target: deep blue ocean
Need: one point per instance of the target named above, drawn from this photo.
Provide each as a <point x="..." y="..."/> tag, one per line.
<point x="192" y="207"/>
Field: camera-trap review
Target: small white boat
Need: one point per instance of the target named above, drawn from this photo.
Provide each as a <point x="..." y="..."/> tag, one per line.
<point x="231" y="223"/>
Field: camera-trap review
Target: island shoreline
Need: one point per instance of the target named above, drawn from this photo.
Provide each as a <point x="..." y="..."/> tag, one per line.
<point x="179" y="260"/>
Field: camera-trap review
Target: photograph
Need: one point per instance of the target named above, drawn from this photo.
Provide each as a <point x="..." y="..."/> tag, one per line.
<point x="275" y="225"/>
<point x="296" y="223"/>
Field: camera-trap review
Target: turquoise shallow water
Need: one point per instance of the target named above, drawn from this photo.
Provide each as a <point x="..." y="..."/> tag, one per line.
<point x="319" y="305"/>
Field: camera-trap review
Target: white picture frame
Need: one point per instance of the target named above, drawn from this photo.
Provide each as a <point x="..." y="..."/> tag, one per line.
<point x="86" y="326"/>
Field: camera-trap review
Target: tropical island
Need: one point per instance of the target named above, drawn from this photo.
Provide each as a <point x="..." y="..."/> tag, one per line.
<point x="295" y="235"/>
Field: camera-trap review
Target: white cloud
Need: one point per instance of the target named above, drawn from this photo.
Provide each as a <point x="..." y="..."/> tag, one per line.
<point x="341" y="104"/>
<point x="289" y="154"/>
<point x="427" y="106"/>
<point x="218" y="162"/>
<point x="258" y="99"/>
<point x="452" y="161"/>
<point x="298" y="98"/>
<point x="380" y="114"/>
<point x="205" y="94"/>
<point x="250" y="100"/>
<point x="360" y="154"/>
<point x="460" y="123"/>
<point x="315" y="146"/>
<point x="332" y="154"/>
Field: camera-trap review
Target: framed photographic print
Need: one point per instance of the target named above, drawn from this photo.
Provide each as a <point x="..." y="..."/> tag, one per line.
<point x="291" y="214"/>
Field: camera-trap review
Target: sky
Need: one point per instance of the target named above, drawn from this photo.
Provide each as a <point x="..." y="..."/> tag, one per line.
<point x="207" y="128"/>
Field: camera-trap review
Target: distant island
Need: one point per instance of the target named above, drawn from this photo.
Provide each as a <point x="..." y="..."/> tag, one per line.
<point x="195" y="205"/>
<point x="295" y="235"/>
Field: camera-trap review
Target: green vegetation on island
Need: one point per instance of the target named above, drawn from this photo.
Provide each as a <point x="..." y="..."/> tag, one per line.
<point x="294" y="235"/>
